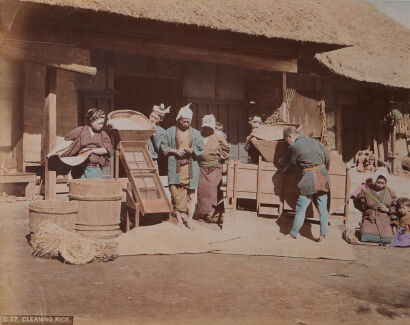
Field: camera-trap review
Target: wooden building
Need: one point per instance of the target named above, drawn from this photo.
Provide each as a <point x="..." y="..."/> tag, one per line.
<point x="216" y="54"/>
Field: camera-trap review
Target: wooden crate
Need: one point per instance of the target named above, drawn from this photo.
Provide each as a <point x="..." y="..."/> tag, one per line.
<point x="275" y="192"/>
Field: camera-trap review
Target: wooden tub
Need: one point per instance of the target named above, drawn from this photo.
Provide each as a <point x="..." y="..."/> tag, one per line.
<point x="99" y="207"/>
<point x="61" y="213"/>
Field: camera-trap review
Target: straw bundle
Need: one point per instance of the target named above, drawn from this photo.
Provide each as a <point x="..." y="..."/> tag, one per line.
<point x="51" y="241"/>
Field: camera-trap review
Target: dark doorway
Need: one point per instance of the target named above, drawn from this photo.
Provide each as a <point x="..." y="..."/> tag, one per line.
<point x="141" y="94"/>
<point x="350" y="127"/>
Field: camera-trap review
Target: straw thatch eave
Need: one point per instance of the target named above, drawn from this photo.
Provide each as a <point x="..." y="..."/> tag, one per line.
<point x="304" y="21"/>
<point x="381" y="46"/>
<point x="381" y="54"/>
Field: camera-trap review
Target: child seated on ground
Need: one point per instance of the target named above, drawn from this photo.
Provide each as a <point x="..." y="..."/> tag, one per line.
<point x="401" y="224"/>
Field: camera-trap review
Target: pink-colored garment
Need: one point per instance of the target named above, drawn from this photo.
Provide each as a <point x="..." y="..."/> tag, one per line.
<point x="360" y="187"/>
<point x="82" y="138"/>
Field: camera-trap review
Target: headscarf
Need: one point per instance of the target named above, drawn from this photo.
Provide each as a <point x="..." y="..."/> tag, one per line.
<point x="185" y="112"/>
<point x="381" y="171"/>
<point x="94" y="114"/>
<point x="161" y="110"/>
<point x="255" y="119"/>
<point x="209" y="121"/>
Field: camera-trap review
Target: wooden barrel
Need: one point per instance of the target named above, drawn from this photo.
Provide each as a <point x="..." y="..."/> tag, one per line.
<point x="61" y="213"/>
<point x="99" y="207"/>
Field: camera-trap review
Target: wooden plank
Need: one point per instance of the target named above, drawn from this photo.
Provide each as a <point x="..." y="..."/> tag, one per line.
<point x="214" y="109"/>
<point x="393" y="150"/>
<point x="339" y="129"/>
<point x="347" y="196"/>
<point x="18" y="178"/>
<point x="233" y="132"/>
<point x="50" y="130"/>
<point x="242" y="128"/>
<point x="230" y="180"/>
<point x="282" y="109"/>
<point x="60" y="56"/>
<point x="202" y="111"/>
<point x="380" y="149"/>
<point x="223" y="117"/>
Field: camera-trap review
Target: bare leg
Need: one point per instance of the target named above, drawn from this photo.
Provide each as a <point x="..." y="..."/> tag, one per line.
<point x="191" y="209"/>
<point x="179" y="217"/>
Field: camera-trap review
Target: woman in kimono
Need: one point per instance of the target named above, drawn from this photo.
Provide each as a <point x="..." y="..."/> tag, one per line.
<point x="94" y="142"/>
<point x="376" y="201"/>
<point x="210" y="163"/>
<point x="154" y="143"/>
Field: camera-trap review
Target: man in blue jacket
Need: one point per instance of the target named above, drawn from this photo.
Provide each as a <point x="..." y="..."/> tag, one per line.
<point x="183" y="146"/>
<point x="309" y="155"/>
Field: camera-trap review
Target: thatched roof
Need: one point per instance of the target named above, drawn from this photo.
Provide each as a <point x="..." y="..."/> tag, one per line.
<point x="306" y="21"/>
<point x="381" y="53"/>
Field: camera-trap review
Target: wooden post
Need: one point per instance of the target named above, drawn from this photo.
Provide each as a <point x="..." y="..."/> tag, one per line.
<point x="50" y="130"/>
<point x="283" y="111"/>
<point x="347" y="197"/>
<point x="380" y="148"/>
<point x="375" y="150"/>
<point x="339" y="129"/>
<point x="393" y="150"/>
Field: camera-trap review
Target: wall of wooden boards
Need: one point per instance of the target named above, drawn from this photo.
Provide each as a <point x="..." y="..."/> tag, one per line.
<point x="34" y="96"/>
<point x="11" y="109"/>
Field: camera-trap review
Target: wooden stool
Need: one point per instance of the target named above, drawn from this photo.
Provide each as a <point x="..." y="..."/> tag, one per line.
<point x="19" y="177"/>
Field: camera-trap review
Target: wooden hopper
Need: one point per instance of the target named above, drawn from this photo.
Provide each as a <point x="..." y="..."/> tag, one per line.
<point x="136" y="128"/>
<point x="268" y="140"/>
<point x="145" y="193"/>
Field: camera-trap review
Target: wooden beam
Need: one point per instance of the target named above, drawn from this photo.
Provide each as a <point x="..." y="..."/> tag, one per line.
<point x="50" y="130"/>
<point x="175" y="51"/>
<point x="247" y="61"/>
<point x="56" y="55"/>
<point x="8" y="12"/>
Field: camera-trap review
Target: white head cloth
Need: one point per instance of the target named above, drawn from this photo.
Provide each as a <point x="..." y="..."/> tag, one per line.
<point x="381" y="171"/>
<point x="161" y="109"/>
<point x="256" y="119"/>
<point x="185" y="112"/>
<point x="209" y="121"/>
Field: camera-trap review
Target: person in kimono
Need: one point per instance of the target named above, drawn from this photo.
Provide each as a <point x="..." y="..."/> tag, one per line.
<point x="376" y="201"/>
<point x="92" y="140"/>
<point x="219" y="128"/>
<point x="401" y="223"/>
<point x="154" y="143"/>
<point x="254" y="123"/>
<point x="215" y="153"/>
<point x="312" y="157"/>
<point x="183" y="146"/>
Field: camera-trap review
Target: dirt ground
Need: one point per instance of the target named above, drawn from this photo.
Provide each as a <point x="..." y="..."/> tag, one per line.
<point x="202" y="288"/>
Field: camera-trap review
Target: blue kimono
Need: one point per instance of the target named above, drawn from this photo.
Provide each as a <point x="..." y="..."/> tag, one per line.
<point x="154" y="143"/>
<point x="198" y="148"/>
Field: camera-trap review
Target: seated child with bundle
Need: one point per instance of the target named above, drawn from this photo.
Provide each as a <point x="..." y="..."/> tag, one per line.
<point x="401" y="224"/>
